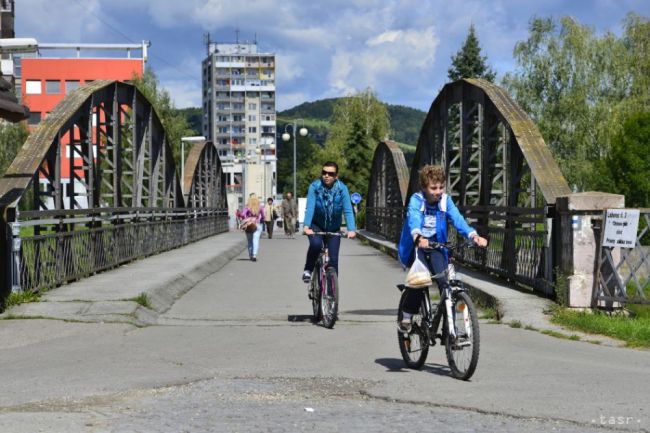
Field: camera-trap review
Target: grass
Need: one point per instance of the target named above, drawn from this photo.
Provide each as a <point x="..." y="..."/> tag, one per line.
<point x="633" y="330"/>
<point x="561" y="335"/>
<point x="489" y="313"/>
<point x="142" y="299"/>
<point x="632" y="292"/>
<point x="17" y="298"/>
<point x="515" y="324"/>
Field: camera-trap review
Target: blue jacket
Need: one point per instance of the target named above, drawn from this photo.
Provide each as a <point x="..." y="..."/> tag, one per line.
<point x="315" y="212"/>
<point x="415" y="218"/>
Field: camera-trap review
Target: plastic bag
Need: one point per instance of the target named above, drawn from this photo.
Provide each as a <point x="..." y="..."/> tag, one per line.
<point x="419" y="275"/>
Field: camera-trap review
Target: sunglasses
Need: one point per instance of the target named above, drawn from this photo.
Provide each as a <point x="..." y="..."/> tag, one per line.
<point x="328" y="173"/>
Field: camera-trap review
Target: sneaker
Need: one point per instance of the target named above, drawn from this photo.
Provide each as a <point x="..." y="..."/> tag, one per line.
<point x="254" y="258"/>
<point x="405" y="325"/>
<point x="306" y="277"/>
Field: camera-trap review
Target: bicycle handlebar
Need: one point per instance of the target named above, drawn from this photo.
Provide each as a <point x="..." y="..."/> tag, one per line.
<point x="450" y="246"/>
<point x="326" y="234"/>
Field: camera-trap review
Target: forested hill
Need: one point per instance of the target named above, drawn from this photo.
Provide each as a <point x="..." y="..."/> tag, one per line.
<point x="405" y="122"/>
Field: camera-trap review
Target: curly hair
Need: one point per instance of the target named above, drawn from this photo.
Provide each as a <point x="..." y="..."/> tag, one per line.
<point x="431" y="174"/>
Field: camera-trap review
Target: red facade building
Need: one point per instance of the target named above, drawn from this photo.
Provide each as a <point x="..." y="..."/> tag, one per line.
<point x="45" y="81"/>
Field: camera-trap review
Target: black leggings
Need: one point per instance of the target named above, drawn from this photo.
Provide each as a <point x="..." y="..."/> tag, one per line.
<point x="437" y="263"/>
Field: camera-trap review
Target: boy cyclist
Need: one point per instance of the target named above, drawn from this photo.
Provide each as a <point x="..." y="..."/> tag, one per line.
<point x="426" y="221"/>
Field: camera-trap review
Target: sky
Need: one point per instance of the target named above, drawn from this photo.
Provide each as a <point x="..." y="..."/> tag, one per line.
<point x="399" y="48"/>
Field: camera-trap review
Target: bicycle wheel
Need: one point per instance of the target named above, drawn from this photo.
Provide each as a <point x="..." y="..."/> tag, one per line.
<point x="329" y="299"/>
<point x="414" y="345"/>
<point x="316" y="293"/>
<point x="462" y="352"/>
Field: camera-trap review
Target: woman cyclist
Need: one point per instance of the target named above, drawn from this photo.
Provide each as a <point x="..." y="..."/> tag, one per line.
<point x="328" y="200"/>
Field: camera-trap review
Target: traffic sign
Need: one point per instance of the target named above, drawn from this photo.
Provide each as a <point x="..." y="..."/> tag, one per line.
<point x="356" y="198"/>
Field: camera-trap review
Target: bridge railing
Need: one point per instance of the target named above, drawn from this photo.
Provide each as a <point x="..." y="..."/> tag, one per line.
<point x="385" y="221"/>
<point x="50" y="248"/>
<point x="518" y="247"/>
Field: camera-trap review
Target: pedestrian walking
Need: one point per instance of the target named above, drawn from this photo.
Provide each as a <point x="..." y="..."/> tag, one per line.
<point x="270" y="215"/>
<point x="289" y="214"/>
<point x="253" y="216"/>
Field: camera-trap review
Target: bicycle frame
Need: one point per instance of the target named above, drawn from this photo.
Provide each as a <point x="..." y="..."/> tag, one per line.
<point x="453" y="321"/>
<point x="433" y="317"/>
<point x="324" y="293"/>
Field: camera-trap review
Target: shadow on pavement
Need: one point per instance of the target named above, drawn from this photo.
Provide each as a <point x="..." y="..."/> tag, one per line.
<point x="395" y="365"/>
<point x="384" y="312"/>
<point x="300" y="318"/>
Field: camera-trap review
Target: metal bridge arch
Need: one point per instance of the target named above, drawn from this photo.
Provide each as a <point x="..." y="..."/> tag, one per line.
<point x="204" y="184"/>
<point x="500" y="173"/>
<point x="387" y="190"/>
<point x="95" y="186"/>
<point x="492" y="151"/>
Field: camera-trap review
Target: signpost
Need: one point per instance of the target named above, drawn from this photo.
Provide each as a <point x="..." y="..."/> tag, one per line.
<point x="356" y="199"/>
<point x="621" y="226"/>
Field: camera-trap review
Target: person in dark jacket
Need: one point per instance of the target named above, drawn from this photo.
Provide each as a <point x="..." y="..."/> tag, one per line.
<point x="289" y="214"/>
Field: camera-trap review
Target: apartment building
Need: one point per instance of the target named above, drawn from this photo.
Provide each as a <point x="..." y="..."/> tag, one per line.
<point x="239" y="117"/>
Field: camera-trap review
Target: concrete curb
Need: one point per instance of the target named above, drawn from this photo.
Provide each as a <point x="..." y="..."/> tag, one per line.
<point x="109" y="297"/>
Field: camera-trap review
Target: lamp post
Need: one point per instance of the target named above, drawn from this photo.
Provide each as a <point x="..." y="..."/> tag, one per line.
<point x="194" y="139"/>
<point x="285" y="137"/>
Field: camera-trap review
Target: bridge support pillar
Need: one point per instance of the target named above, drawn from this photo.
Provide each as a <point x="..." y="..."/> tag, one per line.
<point x="579" y="243"/>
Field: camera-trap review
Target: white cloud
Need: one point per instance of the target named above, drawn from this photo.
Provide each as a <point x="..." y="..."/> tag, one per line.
<point x="288" y="67"/>
<point x="401" y="48"/>
<point x="386" y="60"/>
<point x="288" y="100"/>
<point x="184" y="93"/>
<point x="58" y="20"/>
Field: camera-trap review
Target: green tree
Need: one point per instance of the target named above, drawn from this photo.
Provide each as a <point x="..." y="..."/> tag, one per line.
<point x="468" y="62"/>
<point x="12" y="138"/>
<point x="173" y="121"/>
<point x="626" y="170"/>
<point x="578" y="86"/>
<point x="358" y="123"/>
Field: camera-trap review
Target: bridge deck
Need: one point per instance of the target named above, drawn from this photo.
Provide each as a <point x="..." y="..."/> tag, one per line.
<point x="227" y="345"/>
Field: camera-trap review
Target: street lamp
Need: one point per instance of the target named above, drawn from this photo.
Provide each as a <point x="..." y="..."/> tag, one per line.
<point x="194" y="139"/>
<point x="285" y="137"/>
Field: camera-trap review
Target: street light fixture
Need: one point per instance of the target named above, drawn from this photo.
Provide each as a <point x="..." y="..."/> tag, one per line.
<point x="285" y="137"/>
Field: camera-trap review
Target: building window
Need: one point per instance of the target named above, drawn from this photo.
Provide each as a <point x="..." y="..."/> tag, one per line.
<point x="33" y="87"/>
<point x="252" y="118"/>
<point x="52" y="87"/>
<point x="252" y="106"/>
<point x="34" y="118"/>
<point x="71" y="85"/>
<point x="252" y="141"/>
<point x="252" y="129"/>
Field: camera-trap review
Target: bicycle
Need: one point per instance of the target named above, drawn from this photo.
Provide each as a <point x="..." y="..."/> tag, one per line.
<point x="460" y="327"/>
<point x="324" y="287"/>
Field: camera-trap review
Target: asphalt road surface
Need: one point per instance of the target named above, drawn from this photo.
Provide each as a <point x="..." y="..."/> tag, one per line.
<point x="238" y="354"/>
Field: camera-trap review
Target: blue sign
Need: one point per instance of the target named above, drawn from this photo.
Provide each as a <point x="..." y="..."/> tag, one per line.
<point x="355" y="197"/>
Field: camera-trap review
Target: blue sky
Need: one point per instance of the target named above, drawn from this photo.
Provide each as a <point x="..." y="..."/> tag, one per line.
<point x="399" y="48"/>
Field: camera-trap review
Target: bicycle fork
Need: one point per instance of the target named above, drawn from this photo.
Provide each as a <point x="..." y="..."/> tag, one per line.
<point x="451" y="328"/>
